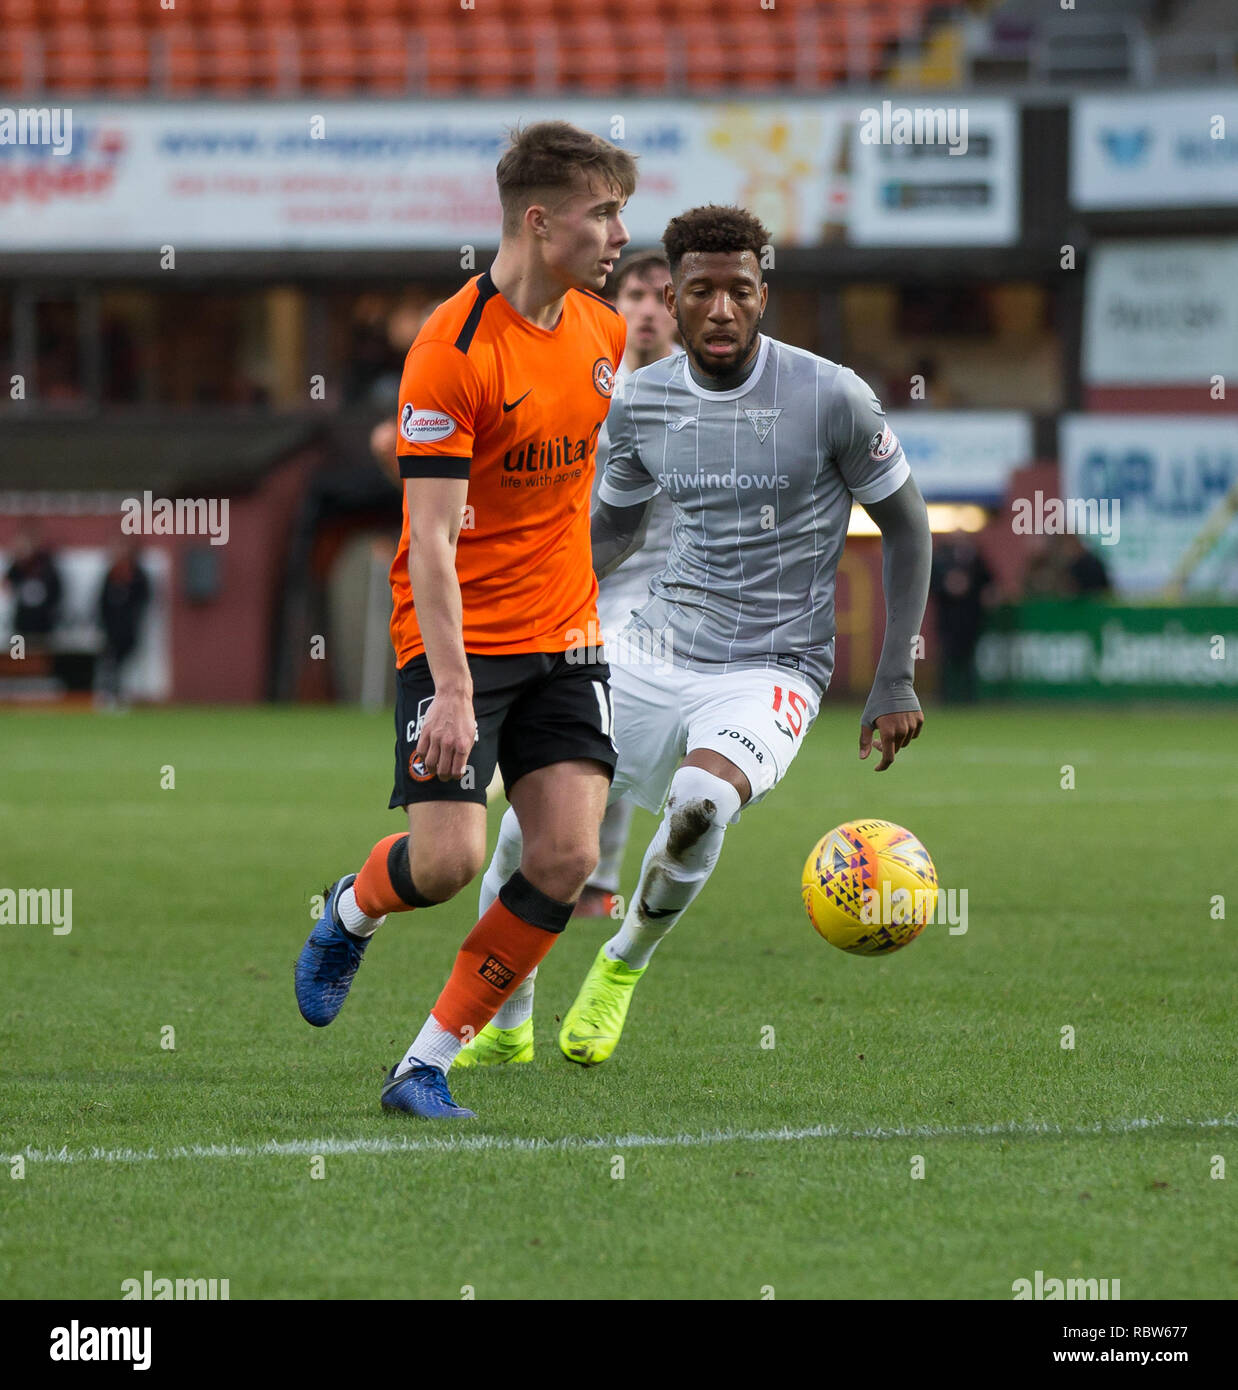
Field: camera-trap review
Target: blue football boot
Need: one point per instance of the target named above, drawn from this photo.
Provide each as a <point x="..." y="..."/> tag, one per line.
<point x="328" y="961"/>
<point x="422" y="1091"/>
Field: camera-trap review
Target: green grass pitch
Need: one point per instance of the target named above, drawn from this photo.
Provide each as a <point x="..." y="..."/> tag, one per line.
<point x="1089" y="909"/>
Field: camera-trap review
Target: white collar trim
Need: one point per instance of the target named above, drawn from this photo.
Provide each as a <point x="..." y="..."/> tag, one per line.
<point x="736" y="391"/>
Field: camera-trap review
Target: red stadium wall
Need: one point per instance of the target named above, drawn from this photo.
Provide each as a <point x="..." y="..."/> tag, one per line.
<point x="221" y="648"/>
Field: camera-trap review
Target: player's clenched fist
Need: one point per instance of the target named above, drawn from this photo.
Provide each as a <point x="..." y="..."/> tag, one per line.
<point x="448" y="733"/>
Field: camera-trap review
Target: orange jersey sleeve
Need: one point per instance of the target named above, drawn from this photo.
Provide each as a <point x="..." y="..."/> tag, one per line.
<point x="515" y="409"/>
<point x="440" y="399"/>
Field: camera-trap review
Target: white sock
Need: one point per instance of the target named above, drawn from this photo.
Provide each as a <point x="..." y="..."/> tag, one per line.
<point x="354" y="920"/>
<point x="434" y="1046"/>
<point x="698" y="810"/>
<point x="518" y="1006"/>
<point x="612" y="841"/>
<point x="503" y="862"/>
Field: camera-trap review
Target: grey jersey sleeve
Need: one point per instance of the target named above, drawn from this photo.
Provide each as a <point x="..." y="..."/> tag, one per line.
<point x="861" y="443"/>
<point x="626" y="480"/>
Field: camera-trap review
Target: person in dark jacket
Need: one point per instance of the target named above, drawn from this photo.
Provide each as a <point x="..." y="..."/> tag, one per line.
<point x="37" y="589"/>
<point x="123" y="601"/>
<point x="959" y="583"/>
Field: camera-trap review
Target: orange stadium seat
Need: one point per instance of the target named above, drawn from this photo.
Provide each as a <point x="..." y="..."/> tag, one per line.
<point x="21" y="61"/>
<point x="124" y="53"/>
<point x="383" y="48"/>
<point x="275" y="58"/>
<point x="125" y="14"/>
<point x="277" y="11"/>
<point x="439" y="58"/>
<point x="495" y="64"/>
<point x="646" y="55"/>
<point x="217" y="12"/>
<point x="325" y="12"/>
<point x="228" y="54"/>
<point x="71" y="63"/>
<point x="706" y="59"/>
<point x="546" y="56"/>
<point x="760" y="55"/>
<point x="62" y="13"/>
<point x="330" y="58"/>
<point x="594" y="62"/>
<point x="18" y="14"/>
<point x="180" y="60"/>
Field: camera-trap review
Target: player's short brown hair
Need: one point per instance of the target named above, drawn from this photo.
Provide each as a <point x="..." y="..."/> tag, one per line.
<point x="553" y="156"/>
<point x="641" y="264"/>
<point x="713" y="228"/>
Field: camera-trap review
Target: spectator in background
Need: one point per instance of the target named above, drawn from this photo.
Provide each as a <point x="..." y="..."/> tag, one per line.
<point x="1086" y="574"/>
<point x="1065" y="568"/>
<point x="122" y="604"/>
<point x="961" y="583"/>
<point x="37" y="589"/>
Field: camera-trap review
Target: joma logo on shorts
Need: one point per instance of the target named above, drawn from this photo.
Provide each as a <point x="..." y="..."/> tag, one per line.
<point x="744" y="739"/>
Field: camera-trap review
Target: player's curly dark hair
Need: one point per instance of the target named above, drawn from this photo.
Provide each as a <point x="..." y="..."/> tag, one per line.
<point x="713" y="228"/>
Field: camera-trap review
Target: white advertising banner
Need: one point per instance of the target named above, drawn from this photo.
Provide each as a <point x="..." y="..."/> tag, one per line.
<point x="1155" y="150"/>
<point x="1168" y="473"/>
<point x="1161" y="313"/>
<point x="395" y="175"/>
<point x="927" y="175"/>
<point x="963" y="455"/>
<point x="383" y="175"/>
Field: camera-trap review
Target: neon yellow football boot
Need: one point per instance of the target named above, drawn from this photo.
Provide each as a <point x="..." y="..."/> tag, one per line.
<point x="494" y="1046"/>
<point x="591" y="1027"/>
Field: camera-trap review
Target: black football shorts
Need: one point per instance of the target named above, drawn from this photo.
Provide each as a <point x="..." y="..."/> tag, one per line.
<point x="532" y="709"/>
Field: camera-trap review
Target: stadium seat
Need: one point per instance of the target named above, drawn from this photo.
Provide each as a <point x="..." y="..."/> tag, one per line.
<point x="18" y="14"/>
<point x="272" y="12"/>
<point x="494" y="62"/>
<point x="124" y="14"/>
<point x="383" y="51"/>
<point x="439" y="60"/>
<point x="219" y="12"/>
<point x="329" y="57"/>
<point x="326" y="12"/>
<point x="178" y="60"/>
<point x="21" y="60"/>
<point x="649" y="54"/>
<point x="275" y="58"/>
<point x="594" y="60"/>
<point x="546" y="55"/>
<point x="62" y="13"/>
<point x="71" y="59"/>
<point x="124" y="56"/>
<point x="228" y="55"/>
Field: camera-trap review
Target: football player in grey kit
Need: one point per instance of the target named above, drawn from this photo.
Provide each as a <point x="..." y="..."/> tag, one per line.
<point x="761" y="447"/>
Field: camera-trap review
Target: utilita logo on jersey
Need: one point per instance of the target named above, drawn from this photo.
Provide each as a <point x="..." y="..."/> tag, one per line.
<point x="561" y="452"/>
<point x="32" y="173"/>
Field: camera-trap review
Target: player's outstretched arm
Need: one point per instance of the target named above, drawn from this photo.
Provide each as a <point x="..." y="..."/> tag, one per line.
<point x="617" y="532"/>
<point x="906" y="559"/>
<point x="435" y="509"/>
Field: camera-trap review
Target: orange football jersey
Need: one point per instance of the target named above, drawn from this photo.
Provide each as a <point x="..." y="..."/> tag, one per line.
<point x="516" y="409"/>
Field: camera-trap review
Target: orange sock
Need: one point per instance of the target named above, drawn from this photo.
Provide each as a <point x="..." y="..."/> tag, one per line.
<point x="385" y="883"/>
<point x="498" y="955"/>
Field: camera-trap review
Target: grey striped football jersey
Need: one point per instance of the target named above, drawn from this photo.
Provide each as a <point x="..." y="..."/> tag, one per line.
<point x="762" y="479"/>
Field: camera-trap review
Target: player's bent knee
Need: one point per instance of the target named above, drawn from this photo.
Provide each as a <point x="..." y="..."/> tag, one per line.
<point x="699" y="808"/>
<point x="561" y="871"/>
<point x="443" y="878"/>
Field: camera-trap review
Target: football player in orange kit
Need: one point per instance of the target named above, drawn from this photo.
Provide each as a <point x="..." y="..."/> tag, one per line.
<point x="503" y="395"/>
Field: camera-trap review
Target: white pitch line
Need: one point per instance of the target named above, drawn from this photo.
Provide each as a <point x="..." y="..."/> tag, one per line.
<point x="496" y="1143"/>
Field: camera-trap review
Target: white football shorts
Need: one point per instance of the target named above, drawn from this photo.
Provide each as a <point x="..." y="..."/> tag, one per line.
<point x="757" y="717"/>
